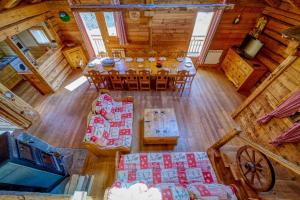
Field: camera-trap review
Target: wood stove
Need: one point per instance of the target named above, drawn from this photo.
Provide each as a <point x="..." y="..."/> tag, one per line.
<point x="24" y="167"/>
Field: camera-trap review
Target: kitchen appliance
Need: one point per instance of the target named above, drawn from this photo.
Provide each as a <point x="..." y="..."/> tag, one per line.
<point x="6" y="60"/>
<point x="19" y="66"/>
<point x="19" y="43"/>
<point x="24" y="167"/>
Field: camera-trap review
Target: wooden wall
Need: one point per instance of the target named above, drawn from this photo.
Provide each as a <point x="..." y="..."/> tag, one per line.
<point x="281" y="83"/>
<point x="229" y="34"/>
<point x="279" y="19"/>
<point x="66" y="30"/>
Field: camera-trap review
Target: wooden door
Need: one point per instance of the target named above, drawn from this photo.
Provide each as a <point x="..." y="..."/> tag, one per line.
<point x="15" y="110"/>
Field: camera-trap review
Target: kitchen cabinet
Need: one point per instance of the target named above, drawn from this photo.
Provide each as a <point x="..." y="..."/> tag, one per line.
<point x="9" y="77"/>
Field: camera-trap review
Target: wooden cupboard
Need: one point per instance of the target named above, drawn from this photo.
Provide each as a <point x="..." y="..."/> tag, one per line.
<point x="243" y="73"/>
<point x="9" y="77"/>
<point x="75" y="56"/>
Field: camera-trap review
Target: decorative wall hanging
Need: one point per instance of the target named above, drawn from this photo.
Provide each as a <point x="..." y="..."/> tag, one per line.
<point x="287" y="108"/>
<point x="291" y="135"/>
<point x="65" y="17"/>
<point x="259" y="27"/>
<point x="237" y="20"/>
<point x="134" y="15"/>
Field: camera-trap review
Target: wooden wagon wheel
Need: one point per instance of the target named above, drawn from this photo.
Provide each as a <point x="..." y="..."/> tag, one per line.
<point x="255" y="168"/>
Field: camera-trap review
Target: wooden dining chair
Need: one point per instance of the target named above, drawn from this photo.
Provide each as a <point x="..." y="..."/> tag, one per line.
<point x="98" y="79"/>
<point x="117" y="55"/>
<point x="189" y="83"/>
<point x="144" y="80"/>
<point x="132" y="80"/>
<point x="180" y="81"/>
<point x="102" y="54"/>
<point x="162" y="79"/>
<point x="116" y="80"/>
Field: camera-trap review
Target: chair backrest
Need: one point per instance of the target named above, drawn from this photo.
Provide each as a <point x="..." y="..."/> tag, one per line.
<point x="114" y="75"/>
<point x="144" y="75"/>
<point x="97" y="78"/>
<point x="182" y="76"/>
<point x="162" y="75"/>
<point x="102" y="54"/>
<point x="116" y="54"/>
<point x="131" y="75"/>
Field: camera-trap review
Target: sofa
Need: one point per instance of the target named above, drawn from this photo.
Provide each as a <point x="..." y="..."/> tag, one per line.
<point x="109" y="125"/>
<point x="177" y="176"/>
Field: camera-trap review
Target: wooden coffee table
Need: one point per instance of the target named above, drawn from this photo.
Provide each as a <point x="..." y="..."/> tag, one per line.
<point x="160" y="126"/>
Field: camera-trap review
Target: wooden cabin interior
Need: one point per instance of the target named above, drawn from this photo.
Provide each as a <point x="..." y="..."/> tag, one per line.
<point x="149" y="99"/>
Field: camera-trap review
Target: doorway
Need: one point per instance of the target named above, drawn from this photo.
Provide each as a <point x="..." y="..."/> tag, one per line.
<point x="201" y="27"/>
<point x="92" y="29"/>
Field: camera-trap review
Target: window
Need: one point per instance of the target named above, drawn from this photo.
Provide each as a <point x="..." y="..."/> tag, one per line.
<point x="40" y="36"/>
<point x="110" y="23"/>
<point x="201" y="26"/>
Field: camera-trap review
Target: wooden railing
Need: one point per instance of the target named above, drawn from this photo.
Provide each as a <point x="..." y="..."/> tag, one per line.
<point x="237" y="133"/>
<point x="99" y="44"/>
<point x="196" y="44"/>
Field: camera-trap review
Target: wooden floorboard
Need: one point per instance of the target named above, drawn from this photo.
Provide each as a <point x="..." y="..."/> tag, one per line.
<point x="203" y="117"/>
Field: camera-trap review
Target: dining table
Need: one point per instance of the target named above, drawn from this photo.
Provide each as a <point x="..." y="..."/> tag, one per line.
<point x="173" y="65"/>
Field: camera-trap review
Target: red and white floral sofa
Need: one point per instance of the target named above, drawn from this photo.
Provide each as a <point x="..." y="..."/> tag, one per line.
<point x="109" y="127"/>
<point x="177" y="176"/>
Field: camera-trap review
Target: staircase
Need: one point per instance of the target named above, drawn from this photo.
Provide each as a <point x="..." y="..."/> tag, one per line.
<point x="228" y="173"/>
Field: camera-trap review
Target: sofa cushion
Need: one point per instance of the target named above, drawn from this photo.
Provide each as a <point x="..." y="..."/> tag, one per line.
<point x="166" y="160"/>
<point x="223" y="192"/>
<point x="104" y="105"/>
<point x="113" y="110"/>
<point x="173" y="175"/>
<point x="108" y="133"/>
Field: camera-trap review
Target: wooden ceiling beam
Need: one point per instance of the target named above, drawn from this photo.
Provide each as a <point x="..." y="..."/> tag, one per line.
<point x="295" y="3"/>
<point x="273" y="3"/>
<point x="111" y="7"/>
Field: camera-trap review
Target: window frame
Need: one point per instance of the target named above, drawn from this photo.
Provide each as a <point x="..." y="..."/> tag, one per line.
<point x="41" y="28"/>
<point x="112" y="36"/>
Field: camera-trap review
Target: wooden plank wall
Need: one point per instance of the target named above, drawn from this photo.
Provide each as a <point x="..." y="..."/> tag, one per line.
<point x="66" y="30"/>
<point x="273" y="95"/>
<point x="279" y="19"/>
<point x="165" y="32"/>
<point x="56" y="68"/>
<point x="229" y="34"/>
<point x="266" y="102"/>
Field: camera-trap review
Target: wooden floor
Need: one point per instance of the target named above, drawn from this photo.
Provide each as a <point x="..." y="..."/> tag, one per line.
<point x="203" y="117"/>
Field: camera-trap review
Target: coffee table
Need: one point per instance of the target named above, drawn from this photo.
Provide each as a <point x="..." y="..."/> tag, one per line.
<point x="160" y="126"/>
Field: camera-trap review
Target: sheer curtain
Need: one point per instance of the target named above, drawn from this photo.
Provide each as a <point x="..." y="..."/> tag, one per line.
<point x="84" y="35"/>
<point x="210" y="34"/>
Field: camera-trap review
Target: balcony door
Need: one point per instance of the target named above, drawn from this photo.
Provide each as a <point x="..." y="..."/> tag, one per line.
<point x="201" y="27"/>
<point x="92" y="29"/>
